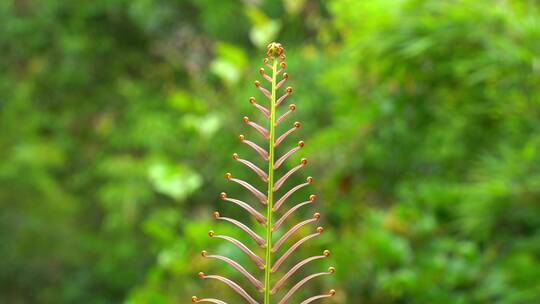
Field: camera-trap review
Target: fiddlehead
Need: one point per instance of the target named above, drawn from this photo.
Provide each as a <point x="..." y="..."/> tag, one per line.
<point x="275" y="62"/>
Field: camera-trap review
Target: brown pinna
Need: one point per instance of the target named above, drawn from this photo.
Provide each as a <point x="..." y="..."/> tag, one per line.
<point x="277" y="252"/>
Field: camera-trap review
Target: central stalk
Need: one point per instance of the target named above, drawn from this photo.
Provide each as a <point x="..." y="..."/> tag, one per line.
<point x="269" y="211"/>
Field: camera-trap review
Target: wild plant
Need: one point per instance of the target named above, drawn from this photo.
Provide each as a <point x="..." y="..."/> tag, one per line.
<point x="273" y="219"/>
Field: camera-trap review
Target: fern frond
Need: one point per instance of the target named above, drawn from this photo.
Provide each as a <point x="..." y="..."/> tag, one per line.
<point x="274" y="61"/>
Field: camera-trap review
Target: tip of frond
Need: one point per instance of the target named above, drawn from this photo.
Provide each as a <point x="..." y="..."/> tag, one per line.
<point x="320" y="230"/>
<point x="312" y="197"/>
<point x="257" y="83"/>
<point x="296" y="124"/>
<point x="241" y="137"/>
<point x="235" y="156"/>
<point x="303" y="161"/>
<point x="309" y="179"/>
<point x="275" y="49"/>
<point x="283" y="65"/>
<point x="285" y="75"/>
<point x="204" y="253"/>
<point x="228" y="175"/>
<point x="194" y="299"/>
<point x="332" y="292"/>
<point x="211" y="233"/>
<point x="292" y="107"/>
<point x="326" y="253"/>
<point x="201" y="275"/>
<point x="331" y="270"/>
<point x="216" y="215"/>
<point x="223" y="195"/>
<point x="317" y="215"/>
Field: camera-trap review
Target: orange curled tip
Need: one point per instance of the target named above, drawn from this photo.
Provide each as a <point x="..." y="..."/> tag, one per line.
<point x="252" y="100"/>
<point x="275" y="49"/>
<point x="285" y="75"/>
<point x="332" y="292"/>
<point x="216" y="215"/>
<point x="313" y="197"/>
<point x="241" y="137"/>
<point x="194" y="299"/>
<point x="301" y="144"/>
<point x="245" y="119"/>
<point x="201" y="275"/>
<point x="331" y="270"/>
<point x="320" y="229"/>
<point x="292" y="107"/>
<point x="228" y="175"/>
<point x="204" y="253"/>
<point x="283" y="65"/>
<point x="261" y="71"/>
<point x="326" y="253"/>
<point x="211" y="233"/>
<point x="265" y="61"/>
<point x="303" y="161"/>
<point x="235" y="156"/>
<point x="317" y="215"/>
<point x="257" y="83"/>
<point x="289" y="90"/>
<point x="297" y="124"/>
<point x="309" y="179"/>
<point x="223" y="195"/>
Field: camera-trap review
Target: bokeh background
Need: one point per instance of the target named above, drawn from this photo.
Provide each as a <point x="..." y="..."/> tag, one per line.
<point x="118" y="119"/>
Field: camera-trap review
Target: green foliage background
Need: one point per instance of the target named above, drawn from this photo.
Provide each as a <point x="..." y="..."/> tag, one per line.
<point x="421" y="120"/>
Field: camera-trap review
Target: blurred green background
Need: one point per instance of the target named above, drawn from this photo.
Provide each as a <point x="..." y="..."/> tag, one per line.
<point x="118" y="119"/>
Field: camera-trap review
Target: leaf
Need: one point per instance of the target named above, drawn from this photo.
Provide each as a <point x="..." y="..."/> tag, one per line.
<point x="176" y="181"/>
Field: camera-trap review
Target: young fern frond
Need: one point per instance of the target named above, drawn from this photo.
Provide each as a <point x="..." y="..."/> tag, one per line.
<point x="268" y="264"/>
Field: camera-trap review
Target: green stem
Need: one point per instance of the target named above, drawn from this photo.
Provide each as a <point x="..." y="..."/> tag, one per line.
<point x="269" y="223"/>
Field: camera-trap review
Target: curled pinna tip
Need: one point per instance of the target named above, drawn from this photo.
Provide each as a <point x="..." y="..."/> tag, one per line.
<point x="252" y="100"/>
<point x="285" y="75"/>
<point x="235" y="156"/>
<point x="292" y="107"/>
<point x="223" y="195"/>
<point x="283" y="65"/>
<point x="331" y="270"/>
<point x="297" y="124"/>
<point x="309" y="179"/>
<point x="326" y="253"/>
<point x="303" y="161"/>
<point x="228" y="176"/>
<point x="194" y="299"/>
<point x="204" y="253"/>
<point x="245" y="119"/>
<point x="257" y="83"/>
<point x="332" y="292"/>
<point x="216" y="215"/>
<point x="320" y="230"/>
<point x="211" y="233"/>
<point x="201" y="275"/>
<point x="317" y="215"/>
<point x="313" y="197"/>
<point x="289" y="90"/>
<point x="241" y="137"/>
